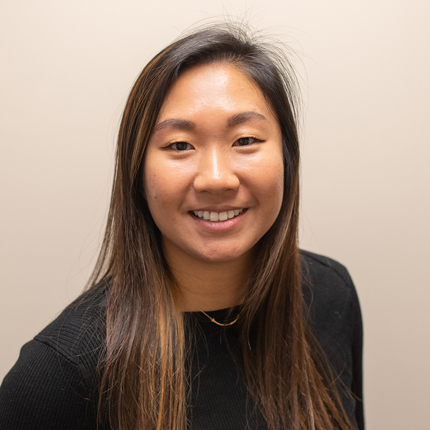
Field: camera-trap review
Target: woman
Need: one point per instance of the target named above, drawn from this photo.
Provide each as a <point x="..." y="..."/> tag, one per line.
<point x="201" y="312"/>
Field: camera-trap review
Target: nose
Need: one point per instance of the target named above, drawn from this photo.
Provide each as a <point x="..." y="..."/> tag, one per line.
<point x="216" y="173"/>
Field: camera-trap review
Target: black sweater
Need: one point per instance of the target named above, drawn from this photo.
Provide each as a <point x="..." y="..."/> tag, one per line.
<point x="53" y="384"/>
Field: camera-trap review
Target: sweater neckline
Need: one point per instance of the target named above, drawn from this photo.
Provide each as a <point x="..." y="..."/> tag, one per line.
<point x="225" y="315"/>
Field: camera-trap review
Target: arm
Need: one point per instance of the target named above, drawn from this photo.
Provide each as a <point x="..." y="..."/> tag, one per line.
<point x="357" y="369"/>
<point x="336" y="320"/>
<point x="44" y="391"/>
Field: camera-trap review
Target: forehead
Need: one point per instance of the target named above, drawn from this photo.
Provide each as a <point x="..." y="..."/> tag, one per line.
<point x="214" y="86"/>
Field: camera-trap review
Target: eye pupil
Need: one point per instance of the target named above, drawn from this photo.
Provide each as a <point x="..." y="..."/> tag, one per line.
<point x="243" y="141"/>
<point x="181" y="146"/>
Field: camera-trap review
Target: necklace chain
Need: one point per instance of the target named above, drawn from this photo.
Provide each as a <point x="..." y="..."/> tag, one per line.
<point x="218" y="323"/>
<point x="214" y="320"/>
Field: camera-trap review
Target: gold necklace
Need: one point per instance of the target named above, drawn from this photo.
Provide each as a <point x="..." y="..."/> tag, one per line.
<point x="216" y="322"/>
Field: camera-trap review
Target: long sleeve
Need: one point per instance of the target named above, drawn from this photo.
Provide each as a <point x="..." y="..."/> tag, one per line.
<point x="357" y="367"/>
<point x="44" y="391"/>
<point x="54" y="383"/>
<point x="335" y="317"/>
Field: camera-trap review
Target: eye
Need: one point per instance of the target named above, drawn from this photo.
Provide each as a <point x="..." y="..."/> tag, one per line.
<point x="180" y="146"/>
<point x="246" y="141"/>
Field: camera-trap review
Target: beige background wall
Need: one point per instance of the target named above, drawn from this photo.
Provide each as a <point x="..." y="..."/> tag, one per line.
<point x="67" y="67"/>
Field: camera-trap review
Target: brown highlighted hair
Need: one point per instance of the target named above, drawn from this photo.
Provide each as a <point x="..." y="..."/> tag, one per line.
<point x="144" y="382"/>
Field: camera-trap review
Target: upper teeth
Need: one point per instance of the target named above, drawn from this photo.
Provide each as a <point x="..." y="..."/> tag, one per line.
<point x="217" y="216"/>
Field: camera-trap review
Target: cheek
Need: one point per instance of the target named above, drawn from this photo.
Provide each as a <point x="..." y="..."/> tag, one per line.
<point x="156" y="192"/>
<point x="275" y="189"/>
<point x="270" y="181"/>
<point x="154" y="189"/>
<point x="163" y="197"/>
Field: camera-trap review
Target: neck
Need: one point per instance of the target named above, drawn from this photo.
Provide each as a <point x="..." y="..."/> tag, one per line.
<point x="207" y="285"/>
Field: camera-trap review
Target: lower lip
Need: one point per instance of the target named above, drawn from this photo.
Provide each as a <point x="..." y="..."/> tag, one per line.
<point x="220" y="225"/>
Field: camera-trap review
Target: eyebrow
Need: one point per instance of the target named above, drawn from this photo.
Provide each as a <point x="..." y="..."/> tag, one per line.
<point x="183" y="124"/>
<point x="242" y="117"/>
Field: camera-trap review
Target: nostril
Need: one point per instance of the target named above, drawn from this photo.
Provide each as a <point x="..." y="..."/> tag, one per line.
<point x="215" y="172"/>
<point x="204" y="182"/>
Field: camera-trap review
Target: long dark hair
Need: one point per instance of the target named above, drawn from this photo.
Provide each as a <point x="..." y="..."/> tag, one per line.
<point x="144" y="382"/>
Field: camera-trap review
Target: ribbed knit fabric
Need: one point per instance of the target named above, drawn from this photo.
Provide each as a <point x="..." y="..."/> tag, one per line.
<point x="216" y="377"/>
<point x="53" y="385"/>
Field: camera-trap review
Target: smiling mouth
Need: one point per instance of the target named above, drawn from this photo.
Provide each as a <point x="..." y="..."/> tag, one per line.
<point x="217" y="216"/>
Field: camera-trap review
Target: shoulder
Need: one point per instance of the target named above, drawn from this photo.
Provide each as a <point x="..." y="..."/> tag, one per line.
<point x="334" y="314"/>
<point x="78" y="332"/>
<point x="53" y="383"/>
<point x="326" y="280"/>
<point x="322" y="269"/>
<point x="330" y="296"/>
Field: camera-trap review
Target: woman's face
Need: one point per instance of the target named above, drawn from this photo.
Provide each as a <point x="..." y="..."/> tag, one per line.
<point x="213" y="169"/>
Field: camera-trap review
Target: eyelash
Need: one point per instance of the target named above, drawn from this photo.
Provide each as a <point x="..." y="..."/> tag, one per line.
<point x="248" y="137"/>
<point x="172" y="144"/>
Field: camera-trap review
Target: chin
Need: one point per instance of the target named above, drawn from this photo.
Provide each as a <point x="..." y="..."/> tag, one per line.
<point x="224" y="256"/>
